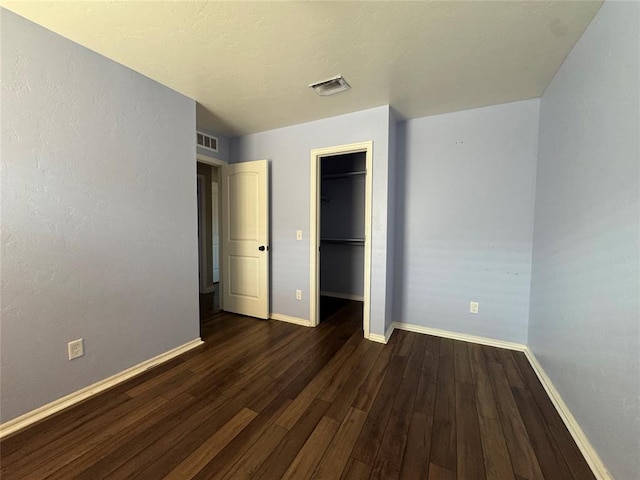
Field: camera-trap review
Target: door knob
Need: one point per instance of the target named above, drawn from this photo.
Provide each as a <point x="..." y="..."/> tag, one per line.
<point x="262" y="248"/>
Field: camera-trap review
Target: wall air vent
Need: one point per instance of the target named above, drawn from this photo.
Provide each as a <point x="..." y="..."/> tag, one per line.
<point x="330" y="86"/>
<point x="206" y="141"/>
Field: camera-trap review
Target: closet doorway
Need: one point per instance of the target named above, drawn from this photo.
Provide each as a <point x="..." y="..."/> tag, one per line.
<point x="341" y="229"/>
<point x="208" y="174"/>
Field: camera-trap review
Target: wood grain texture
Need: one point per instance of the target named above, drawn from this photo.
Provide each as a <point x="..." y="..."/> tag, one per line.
<point x="270" y="400"/>
<point x="309" y="456"/>
<point x="337" y="455"/>
<point x="415" y="462"/>
<point x="191" y="465"/>
<point x="497" y="464"/>
<point x="443" y="439"/>
<point x="470" y="461"/>
<point x="356" y="470"/>
<point x="523" y="458"/>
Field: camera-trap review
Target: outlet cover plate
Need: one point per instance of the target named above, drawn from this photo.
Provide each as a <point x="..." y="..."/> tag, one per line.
<point x="76" y="348"/>
<point x="473" y="307"/>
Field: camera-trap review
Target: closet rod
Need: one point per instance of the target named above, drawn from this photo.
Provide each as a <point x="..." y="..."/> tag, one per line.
<point x="343" y="241"/>
<point x="344" y="175"/>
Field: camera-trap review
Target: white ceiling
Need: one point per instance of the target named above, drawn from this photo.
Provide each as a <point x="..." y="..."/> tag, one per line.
<point x="248" y="64"/>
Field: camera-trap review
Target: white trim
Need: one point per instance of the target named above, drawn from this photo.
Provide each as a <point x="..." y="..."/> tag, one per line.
<point x="210" y="160"/>
<point x="67" y="401"/>
<point x="344" y="296"/>
<point x="376" y="337"/>
<point x="389" y="332"/>
<point x="314" y="228"/>
<point x="520" y="347"/>
<point x="588" y="452"/>
<point x="288" y="319"/>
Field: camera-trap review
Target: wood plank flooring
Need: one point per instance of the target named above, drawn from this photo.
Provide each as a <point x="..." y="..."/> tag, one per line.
<point x="270" y="400"/>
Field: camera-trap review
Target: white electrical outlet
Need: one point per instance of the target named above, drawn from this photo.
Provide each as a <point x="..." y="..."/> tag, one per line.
<point x="298" y="294"/>
<point x="76" y="349"/>
<point x="473" y="307"/>
<point x="298" y="234"/>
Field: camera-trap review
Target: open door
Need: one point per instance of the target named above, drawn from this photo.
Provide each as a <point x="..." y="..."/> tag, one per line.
<point x="245" y="235"/>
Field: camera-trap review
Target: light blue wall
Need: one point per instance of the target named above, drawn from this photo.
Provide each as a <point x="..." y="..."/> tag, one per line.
<point x="98" y="217"/>
<point x="288" y="150"/>
<point x="465" y="219"/>
<point x="223" y="146"/>
<point x="585" y="312"/>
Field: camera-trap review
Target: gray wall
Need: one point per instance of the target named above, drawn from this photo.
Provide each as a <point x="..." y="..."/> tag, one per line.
<point x="288" y="150"/>
<point x="98" y="212"/>
<point x="342" y="269"/>
<point x="585" y="312"/>
<point x="466" y="189"/>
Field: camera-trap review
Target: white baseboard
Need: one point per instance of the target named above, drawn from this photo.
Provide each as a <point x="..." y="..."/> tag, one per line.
<point x="345" y="296"/>
<point x="376" y="337"/>
<point x="492" y="342"/>
<point x="591" y="456"/>
<point x="57" y="405"/>
<point x="288" y="319"/>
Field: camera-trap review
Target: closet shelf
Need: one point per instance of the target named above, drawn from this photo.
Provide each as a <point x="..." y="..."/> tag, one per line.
<point x="343" y="241"/>
<point x="344" y="175"/>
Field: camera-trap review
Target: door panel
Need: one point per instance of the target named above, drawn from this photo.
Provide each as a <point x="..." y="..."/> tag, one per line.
<point x="246" y="279"/>
<point x="244" y="196"/>
<point x="245" y="216"/>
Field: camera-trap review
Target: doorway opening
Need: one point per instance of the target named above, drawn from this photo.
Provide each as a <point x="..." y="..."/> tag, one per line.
<point x="341" y="197"/>
<point x="208" y="180"/>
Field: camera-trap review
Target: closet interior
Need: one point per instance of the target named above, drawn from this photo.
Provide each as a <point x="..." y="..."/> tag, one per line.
<point x="342" y="213"/>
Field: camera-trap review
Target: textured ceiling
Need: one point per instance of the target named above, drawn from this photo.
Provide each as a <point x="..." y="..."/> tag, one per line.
<point x="248" y="64"/>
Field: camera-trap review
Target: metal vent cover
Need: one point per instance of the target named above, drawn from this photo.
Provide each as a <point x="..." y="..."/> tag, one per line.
<point x="330" y="86"/>
<point x="206" y="141"/>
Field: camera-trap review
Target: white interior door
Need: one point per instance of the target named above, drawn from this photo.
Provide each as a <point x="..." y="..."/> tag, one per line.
<point x="245" y="235"/>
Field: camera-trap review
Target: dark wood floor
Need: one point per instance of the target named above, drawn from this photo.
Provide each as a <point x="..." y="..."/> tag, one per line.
<point x="270" y="400"/>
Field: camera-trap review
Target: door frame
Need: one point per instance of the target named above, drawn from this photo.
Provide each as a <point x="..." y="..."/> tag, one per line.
<point x="314" y="285"/>
<point x="203" y="258"/>
<point x="215" y="221"/>
<point x="215" y="162"/>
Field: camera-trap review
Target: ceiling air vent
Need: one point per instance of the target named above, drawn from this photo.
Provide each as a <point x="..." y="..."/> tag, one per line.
<point x="207" y="141"/>
<point x="330" y="86"/>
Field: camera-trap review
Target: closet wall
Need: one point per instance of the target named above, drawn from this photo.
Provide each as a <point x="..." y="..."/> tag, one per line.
<point x="342" y="194"/>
